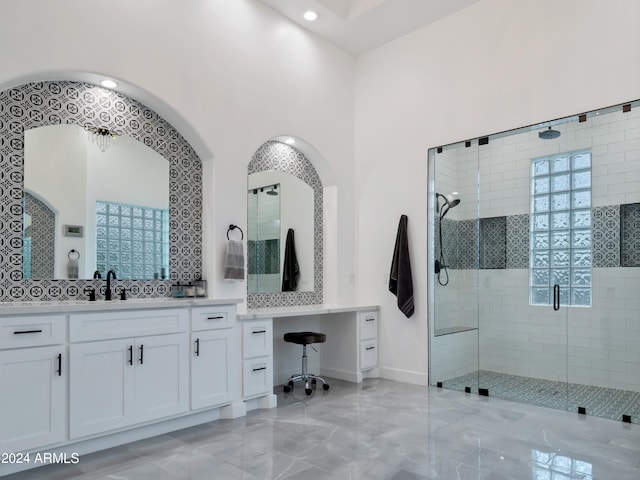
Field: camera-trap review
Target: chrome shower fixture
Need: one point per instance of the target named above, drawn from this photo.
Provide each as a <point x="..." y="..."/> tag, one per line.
<point x="549" y="134"/>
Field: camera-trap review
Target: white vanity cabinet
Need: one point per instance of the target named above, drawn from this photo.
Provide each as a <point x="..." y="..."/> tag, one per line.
<point x="126" y="368"/>
<point x="33" y="372"/>
<point x="257" y="357"/>
<point x="214" y="356"/>
<point x="368" y="340"/>
<point x="351" y="350"/>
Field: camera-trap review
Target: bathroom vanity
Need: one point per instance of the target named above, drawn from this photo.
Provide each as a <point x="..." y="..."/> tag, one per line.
<point x="83" y="376"/>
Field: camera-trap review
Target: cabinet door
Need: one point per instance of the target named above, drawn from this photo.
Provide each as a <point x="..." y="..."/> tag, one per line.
<point x="101" y="379"/>
<point x="32" y="401"/>
<point x="211" y="362"/>
<point x="162" y="376"/>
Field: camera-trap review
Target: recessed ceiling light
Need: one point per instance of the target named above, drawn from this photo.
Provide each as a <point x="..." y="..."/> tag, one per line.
<point x="310" y="15"/>
<point x="108" y="83"/>
<point x="290" y="141"/>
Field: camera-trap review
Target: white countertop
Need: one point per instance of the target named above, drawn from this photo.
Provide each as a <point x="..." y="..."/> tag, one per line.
<point x="296" y="311"/>
<point x="72" y="306"/>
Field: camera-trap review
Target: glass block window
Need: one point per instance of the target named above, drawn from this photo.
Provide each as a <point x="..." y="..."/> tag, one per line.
<point x="132" y="240"/>
<point x="560" y="242"/>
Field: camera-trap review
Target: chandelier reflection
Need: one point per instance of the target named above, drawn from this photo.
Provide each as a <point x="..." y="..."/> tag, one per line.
<point x="101" y="136"/>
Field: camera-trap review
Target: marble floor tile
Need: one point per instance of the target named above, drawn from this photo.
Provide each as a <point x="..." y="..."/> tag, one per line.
<point x="379" y="429"/>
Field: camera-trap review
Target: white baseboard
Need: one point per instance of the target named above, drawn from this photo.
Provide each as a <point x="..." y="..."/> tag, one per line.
<point x="406" y="376"/>
<point x="346" y="375"/>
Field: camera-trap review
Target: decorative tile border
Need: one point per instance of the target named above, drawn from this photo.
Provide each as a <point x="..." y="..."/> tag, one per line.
<point x="629" y="223"/>
<point x="50" y="103"/>
<point x="615" y="240"/>
<point x="493" y="243"/>
<point x="280" y="156"/>
<point x="517" y="247"/>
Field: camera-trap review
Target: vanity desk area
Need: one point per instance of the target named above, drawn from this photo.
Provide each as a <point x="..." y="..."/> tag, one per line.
<point x="350" y="352"/>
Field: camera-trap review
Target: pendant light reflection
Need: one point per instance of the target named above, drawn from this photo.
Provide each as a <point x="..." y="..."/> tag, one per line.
<point x="101" y="136"/>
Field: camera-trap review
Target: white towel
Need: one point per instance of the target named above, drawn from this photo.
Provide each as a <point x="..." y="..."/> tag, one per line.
<point x="234" y="261"/>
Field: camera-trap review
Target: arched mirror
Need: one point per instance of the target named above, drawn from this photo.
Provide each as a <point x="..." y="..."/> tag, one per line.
<point x="26" y="112"/>
<point x="284" y="228"/>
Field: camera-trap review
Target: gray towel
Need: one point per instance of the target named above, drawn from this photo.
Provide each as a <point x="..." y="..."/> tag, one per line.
<point x="234" y="261"/>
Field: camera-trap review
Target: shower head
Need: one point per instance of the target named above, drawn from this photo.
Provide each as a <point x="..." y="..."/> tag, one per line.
<point x="272" y="191"/>
<point x="549" y="134"/>
<point x="448" y="204"/>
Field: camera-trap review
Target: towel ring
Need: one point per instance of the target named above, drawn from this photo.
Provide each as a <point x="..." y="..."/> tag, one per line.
<point x="233" y="227"/>
<point x="73" y="254"/>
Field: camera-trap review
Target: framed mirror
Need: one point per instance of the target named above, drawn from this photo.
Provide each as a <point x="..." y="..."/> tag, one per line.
<point x="42" y="104"/>
<point x="294" y="216"/>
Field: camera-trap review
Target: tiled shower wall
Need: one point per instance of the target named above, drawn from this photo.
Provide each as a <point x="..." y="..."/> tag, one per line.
<point x="597" y="345"/>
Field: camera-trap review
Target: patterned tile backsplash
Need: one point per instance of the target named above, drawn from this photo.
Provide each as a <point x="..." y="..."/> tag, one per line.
<point x="503" y="242"/>
<point x="60" y="102"/>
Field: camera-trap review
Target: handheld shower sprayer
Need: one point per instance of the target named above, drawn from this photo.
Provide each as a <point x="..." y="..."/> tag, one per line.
<point x="448" y="203"/>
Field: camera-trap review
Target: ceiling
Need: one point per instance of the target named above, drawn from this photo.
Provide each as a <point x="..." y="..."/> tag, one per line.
<point x="357" y="26"/>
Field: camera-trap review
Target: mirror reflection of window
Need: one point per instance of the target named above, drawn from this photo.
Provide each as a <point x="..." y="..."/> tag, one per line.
<point x="132" y="240"/>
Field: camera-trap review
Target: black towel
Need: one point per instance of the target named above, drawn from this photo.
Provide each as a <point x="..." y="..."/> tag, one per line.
<point x="400" y="282"/>
<point x="290" y="268"/>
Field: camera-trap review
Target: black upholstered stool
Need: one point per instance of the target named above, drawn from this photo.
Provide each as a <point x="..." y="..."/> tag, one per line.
<point x="304" y="339"/>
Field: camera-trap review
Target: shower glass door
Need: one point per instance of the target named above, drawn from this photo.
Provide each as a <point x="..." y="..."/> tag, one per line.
<point x="534" y="274"/>
<point x="525" y="246"/>
<point x="604" y="326"/>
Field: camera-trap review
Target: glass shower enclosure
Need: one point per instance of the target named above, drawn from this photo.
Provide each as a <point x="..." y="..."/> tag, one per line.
<point x="534" y="258"/>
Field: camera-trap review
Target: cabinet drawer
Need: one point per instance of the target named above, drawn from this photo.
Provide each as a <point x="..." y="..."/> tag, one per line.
<point x="121" y="324"/>
<point x="257" y="338"/>
<point x="368" y="324"/>
<point x="257" y="376"/>
<point x="210" y="318"/>
<point x="368" y="354"/>
<point x="32" y="330"/>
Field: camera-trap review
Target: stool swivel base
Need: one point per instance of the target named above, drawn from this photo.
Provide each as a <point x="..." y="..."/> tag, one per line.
<point x="310" y="380"/>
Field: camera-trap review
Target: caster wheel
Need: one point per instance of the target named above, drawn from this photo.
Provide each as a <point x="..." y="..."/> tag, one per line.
<point x="313" y="381"/>
<point x="286" y="388"/>
<point x="325" y="386"/>
<point x="308" y="391"/>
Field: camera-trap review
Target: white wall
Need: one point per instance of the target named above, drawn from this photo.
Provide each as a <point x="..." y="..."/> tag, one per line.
<point x="228" y="74"/>
<point x="497" y="65"/>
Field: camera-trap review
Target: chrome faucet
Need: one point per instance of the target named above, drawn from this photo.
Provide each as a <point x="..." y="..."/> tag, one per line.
<point x="110" y="275"/>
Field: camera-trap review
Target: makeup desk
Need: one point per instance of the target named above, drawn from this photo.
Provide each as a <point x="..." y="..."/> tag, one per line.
<point x="350" y="352"/>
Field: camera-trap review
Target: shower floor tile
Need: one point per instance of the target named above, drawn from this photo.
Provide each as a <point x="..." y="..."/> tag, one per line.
<point x="598" y="401"/>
